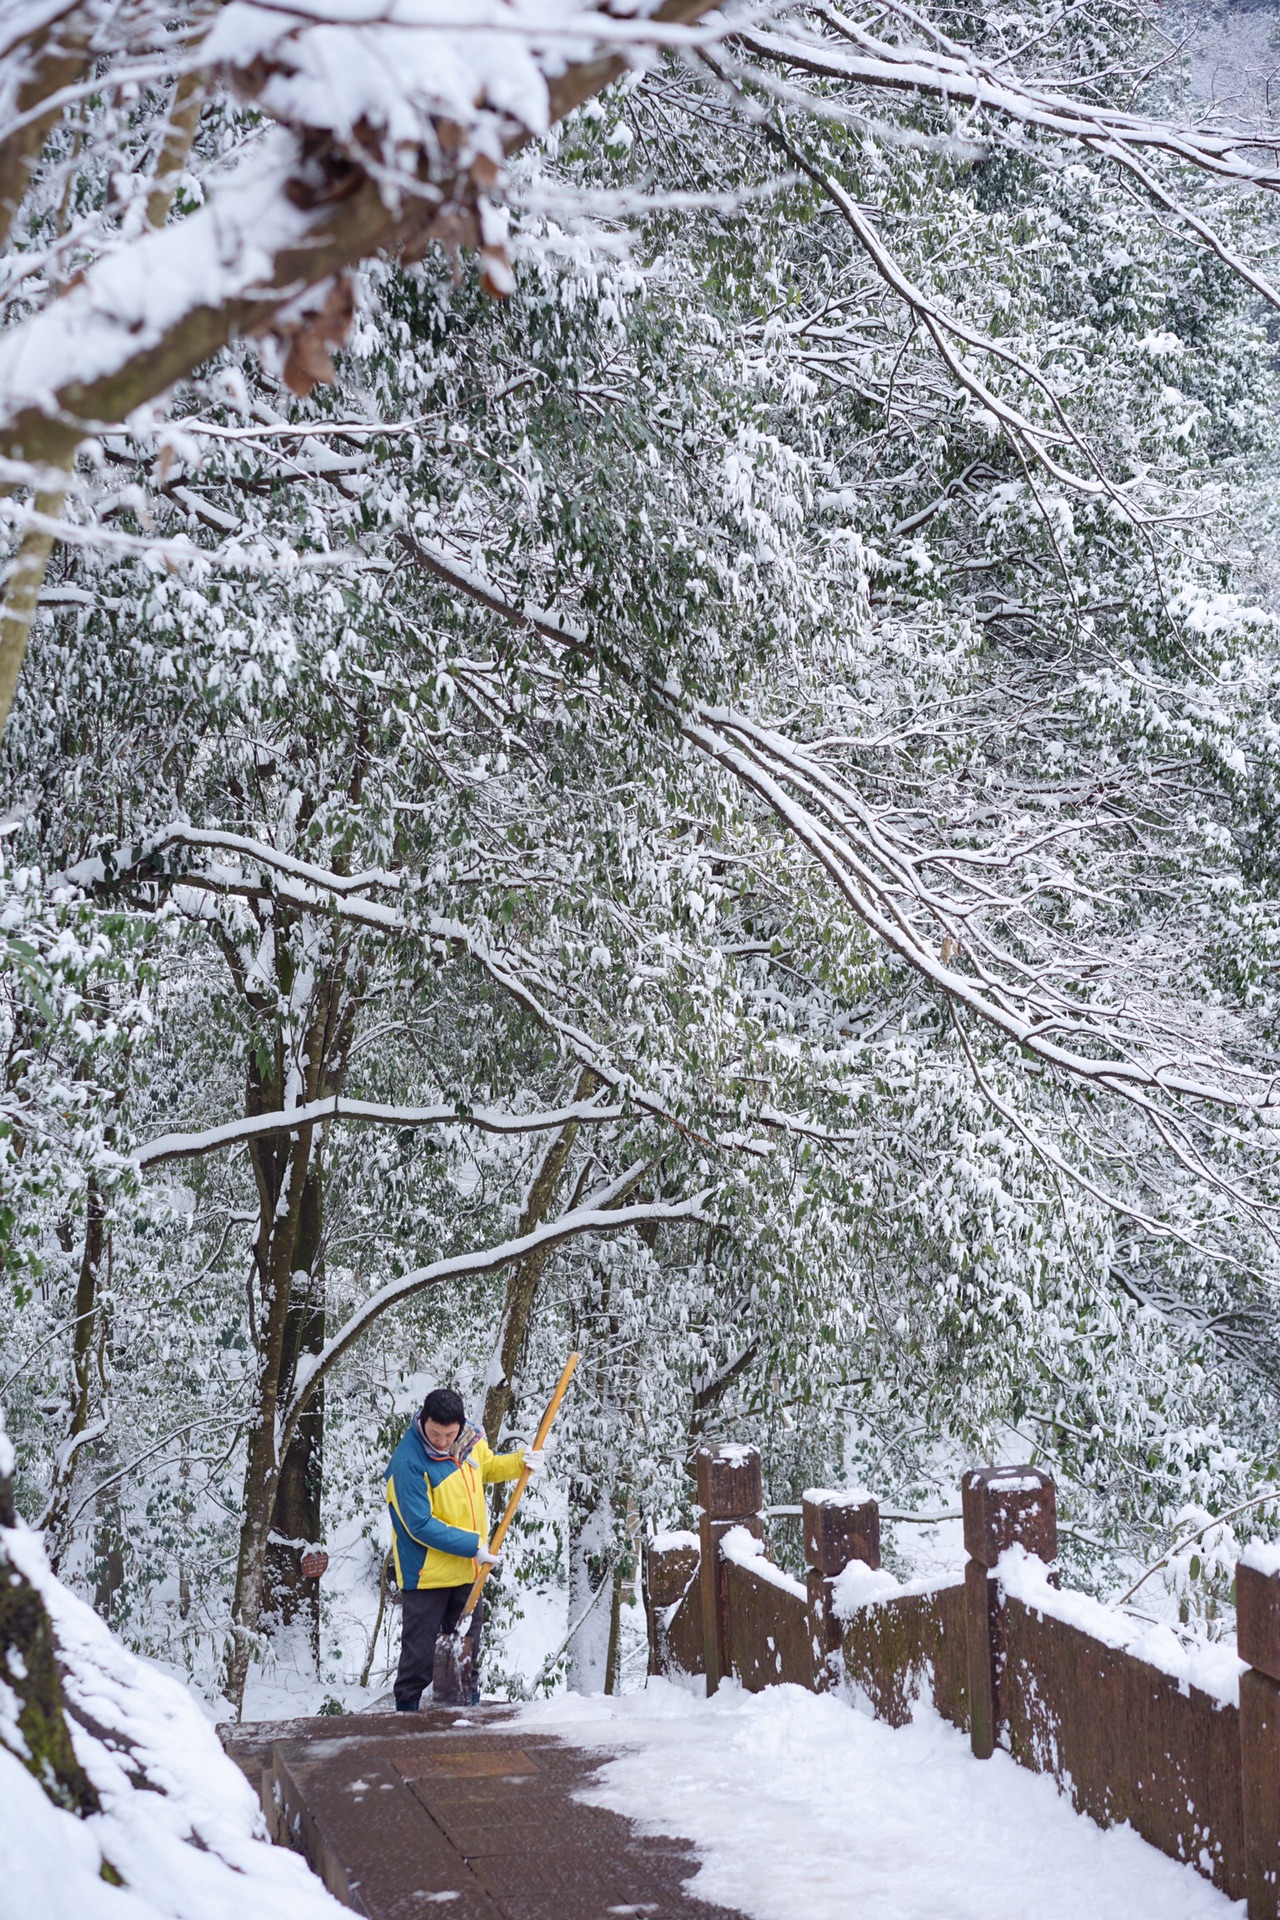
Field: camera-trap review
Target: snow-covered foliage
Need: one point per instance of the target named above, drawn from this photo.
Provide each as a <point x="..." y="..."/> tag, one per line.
<point x="763" y="742"/>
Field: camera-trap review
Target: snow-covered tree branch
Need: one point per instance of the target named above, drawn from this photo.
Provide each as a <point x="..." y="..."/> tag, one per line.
<point x="772" y="723"/>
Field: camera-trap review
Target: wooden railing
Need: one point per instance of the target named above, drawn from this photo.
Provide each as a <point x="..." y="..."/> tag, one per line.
<point x="1185" y="1747"/>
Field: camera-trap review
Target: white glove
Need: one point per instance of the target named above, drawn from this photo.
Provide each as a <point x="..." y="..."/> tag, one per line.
<point x="487" y="1559"/>
<point x="534" y="1460"/>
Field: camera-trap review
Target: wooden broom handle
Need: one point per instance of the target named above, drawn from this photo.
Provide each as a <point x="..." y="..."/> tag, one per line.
<point x="500" y="1531"/>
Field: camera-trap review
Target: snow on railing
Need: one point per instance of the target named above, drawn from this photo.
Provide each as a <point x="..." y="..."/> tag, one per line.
<point x="1181" y="1741"/>
<point x="743" y="1549"/>
<point x="1212" y="1665"/>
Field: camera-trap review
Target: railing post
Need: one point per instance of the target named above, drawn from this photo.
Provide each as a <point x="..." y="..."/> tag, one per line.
<point x="838" y="1529"/>
<point x="671" y="1564"/>
<point x="1258" y="1643"/>
<point x="1003" y="1507"/>
<point x="730" y="1493"/>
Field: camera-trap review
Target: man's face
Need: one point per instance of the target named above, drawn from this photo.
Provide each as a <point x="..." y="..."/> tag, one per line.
<point x="441" y="1436"/>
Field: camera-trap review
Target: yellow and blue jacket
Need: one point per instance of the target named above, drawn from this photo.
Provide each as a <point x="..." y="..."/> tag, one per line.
<point x="438" y="1513"/>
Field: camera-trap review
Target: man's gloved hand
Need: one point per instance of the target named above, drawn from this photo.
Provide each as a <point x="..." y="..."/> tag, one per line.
<point x="534" y="1459"/>
<point x="488" y="1559"/>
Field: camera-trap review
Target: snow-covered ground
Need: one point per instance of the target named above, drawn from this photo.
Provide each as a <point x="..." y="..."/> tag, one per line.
<point x="179" y="1825"/>
<point x="800" y="1804"/>
<point x="794" y="1802"/>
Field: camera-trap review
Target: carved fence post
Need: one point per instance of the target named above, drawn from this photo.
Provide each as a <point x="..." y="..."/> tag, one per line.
<point x="670" y="1568"/>
<point x="1003" y="1506"/>
<point x="730" y="1493"/>
<point x="1258" y="1642"/>
<point x="838" y="1528"/>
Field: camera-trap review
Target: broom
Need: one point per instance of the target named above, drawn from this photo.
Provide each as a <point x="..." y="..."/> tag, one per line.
<point x="455" y="1659"/>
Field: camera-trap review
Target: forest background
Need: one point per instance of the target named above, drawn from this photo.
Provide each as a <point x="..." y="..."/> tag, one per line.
<point x="688" y="770"/>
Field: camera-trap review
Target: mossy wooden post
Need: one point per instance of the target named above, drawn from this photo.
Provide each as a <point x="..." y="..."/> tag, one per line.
<point x="838" y="1529"/>
<point x="1258" y="1642"/>
<point x="1003" y="1507"/>
<point x="730" y="1493"/>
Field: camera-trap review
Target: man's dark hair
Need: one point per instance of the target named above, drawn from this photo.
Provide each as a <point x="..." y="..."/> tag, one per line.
<point x="442" y="1404"/>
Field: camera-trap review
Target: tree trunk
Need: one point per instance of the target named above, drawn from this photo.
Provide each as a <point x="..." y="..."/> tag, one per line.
<point x="290" y="1319"/>
<point x="591" y="1552"/>
<point x="87" y="1308"/>
<point x="522" y="1286"/>
<point x="297" y="1515"/>
<point x="82" y="1344"/>
<point x="262" y="1468"/>
<point x="613" y="1659"/>
<point x="108" y="1558"/>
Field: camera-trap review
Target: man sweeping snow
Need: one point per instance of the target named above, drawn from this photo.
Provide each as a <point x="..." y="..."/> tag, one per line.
<point x="435" y="1490"/>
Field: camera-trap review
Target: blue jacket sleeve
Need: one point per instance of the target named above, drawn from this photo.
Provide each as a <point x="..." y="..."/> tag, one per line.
<point x="411" y="1502"/>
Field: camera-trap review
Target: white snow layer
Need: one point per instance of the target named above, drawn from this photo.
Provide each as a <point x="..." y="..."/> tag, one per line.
<point x="1213" y="1666"/>
<point x="742" y="1547"/>
<point x="838" y="1496"/>
<point x="189" y="1844"/>
<point x="862" y="1586"/>
<point x="1262" y="1555"/>
<point x="392" y="66"/>
<point x="800" y="1805"/>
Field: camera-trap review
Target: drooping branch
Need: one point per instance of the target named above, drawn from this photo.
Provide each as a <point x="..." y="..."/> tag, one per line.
<point x="956" y="74"/>
<point x="594" y="1216"/>
<point x="951" y="334"/>
<point x="771" y="775"/>
<point x="193" y="1146"/>
<point x="876" y="873"/>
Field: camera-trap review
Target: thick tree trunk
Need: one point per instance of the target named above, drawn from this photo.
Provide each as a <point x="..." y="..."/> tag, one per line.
<point x="290" y="1320"/>
<point x="262" y="1468"/>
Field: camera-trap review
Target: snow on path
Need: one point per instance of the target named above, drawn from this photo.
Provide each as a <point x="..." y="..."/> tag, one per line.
<point x="799" y="1804"/>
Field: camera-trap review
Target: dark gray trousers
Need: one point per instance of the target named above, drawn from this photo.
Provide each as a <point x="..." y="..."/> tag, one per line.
<point x="426" y="1613"/>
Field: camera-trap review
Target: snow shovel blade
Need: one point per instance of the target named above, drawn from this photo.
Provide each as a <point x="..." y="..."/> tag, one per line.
<point x="453" y="1673"/>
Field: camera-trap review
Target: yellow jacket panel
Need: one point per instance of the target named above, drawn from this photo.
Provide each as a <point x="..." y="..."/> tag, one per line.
<point x="439" y="1516"/>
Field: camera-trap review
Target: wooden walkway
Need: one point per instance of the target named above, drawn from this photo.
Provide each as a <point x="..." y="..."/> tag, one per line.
<point x="455" y="1811"/>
